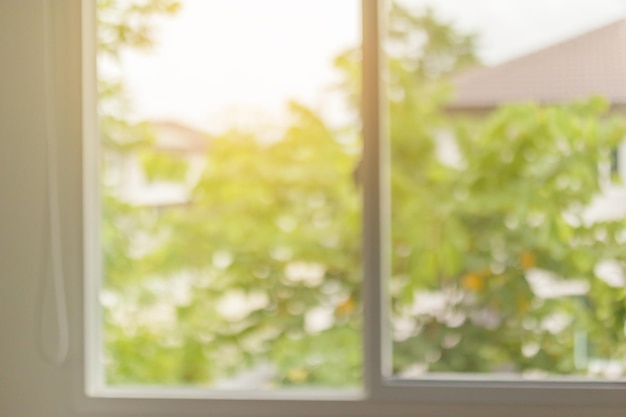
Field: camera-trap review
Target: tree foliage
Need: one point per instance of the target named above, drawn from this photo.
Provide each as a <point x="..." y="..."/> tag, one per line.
<point x="259" y="273"/>
<point x="494" y="231"/>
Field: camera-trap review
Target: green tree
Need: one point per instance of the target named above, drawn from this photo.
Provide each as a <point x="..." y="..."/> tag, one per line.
<point x="273" y="228"/>
<point x="467" y="236"/>
<point x="515" y="203"/>
<point x="125" y="25"/>
<point x="275" y="225"/>
<point x="262" y="219"/>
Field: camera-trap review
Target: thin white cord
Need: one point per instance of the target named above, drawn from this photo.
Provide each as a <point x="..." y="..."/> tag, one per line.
<point x="53" y="216"/>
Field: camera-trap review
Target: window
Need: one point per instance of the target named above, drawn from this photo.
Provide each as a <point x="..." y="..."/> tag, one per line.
<point x="230" y="260"/>
<point x="230" y="267"/>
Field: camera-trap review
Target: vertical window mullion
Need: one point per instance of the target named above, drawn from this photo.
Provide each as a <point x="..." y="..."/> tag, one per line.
<point x="375" y="201"/>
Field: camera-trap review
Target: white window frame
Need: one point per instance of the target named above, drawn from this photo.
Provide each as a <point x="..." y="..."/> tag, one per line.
<point x="381" y="395"/>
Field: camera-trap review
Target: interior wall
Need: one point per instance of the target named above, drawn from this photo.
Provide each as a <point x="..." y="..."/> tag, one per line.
<point x="28" y="386"/>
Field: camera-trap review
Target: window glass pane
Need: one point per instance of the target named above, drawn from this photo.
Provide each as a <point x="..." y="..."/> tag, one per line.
<point x="508" y="201"/>
<point x="230" y="202"/>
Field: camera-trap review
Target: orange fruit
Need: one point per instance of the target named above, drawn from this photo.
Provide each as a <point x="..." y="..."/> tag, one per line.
<point x="528" y="260"/>
<point x="473" y="281"/>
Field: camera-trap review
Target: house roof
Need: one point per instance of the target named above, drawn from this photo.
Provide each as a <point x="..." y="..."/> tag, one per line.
<point x="178" y="138"/>
<point x="593" y="63"/>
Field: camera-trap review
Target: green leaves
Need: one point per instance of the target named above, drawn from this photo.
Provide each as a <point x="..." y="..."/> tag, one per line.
<point x="262" y="264"/>
<point x="164" y="167"/>
<point x="270" y="223"/>
<point x="512" y="204"/>
<point x="123" y="24"/>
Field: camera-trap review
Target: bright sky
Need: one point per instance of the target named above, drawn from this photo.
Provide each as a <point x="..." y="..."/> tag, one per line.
<point x="217" y="56"/>
<point x="510" y="28"/>
<point x="218" y="60"/>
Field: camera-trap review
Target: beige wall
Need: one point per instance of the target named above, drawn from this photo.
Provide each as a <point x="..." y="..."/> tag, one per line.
<point x="29" y="387"/>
